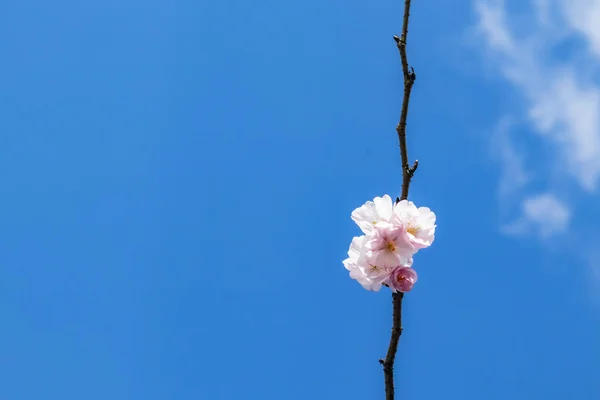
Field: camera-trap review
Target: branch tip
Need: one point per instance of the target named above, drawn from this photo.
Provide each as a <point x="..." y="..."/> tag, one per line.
<point x="414" y="167"/>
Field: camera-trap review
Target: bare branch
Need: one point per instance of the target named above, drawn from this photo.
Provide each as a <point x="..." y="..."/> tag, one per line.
<point x="407" y="174"/>
<point x="388" y="363"/>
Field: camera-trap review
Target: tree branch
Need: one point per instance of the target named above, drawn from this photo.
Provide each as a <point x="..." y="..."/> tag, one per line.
<point x="409" y="81"/>
<point x="407" y="174"/>
<point x="388" y="363"/>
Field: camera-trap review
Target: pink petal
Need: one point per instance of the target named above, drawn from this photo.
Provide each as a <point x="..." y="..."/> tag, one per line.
<point x="403" y="279"/>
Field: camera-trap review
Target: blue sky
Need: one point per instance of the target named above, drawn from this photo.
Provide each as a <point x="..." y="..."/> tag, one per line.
<point x="178" y="177"/>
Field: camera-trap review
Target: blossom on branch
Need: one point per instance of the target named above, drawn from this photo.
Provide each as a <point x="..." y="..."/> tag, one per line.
<point x="390" y="243"/>
<point x="393" y="234"/>
<point x="402" y="279"/>
<point x="362" y="267"/>
<point x="367" y="216"/>
<point x="419" y="223"/>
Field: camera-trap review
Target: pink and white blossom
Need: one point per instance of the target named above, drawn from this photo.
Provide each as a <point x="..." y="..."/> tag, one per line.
<point x="358" y="263"/>
<point x="367" y="216"/>
<point x="390" y="244"/>
<point x="419" y="223"/>
<point x="393" y="234"/>
<point x="402" y="279"/>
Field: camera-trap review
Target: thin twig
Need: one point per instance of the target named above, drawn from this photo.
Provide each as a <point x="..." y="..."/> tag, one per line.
<point x="407" y="174"/>
<point x="388" y="363"/>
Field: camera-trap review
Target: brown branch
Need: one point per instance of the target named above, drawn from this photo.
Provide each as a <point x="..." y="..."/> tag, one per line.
<point x="388" y="363"/>
<point x="409" y="81"/>
<point x="407" y="174"/>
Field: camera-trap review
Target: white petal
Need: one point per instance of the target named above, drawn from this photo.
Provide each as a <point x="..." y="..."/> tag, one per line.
<point x="365" y="216"/>
<point x="384" y="207"/>
<point x="349" y="264"/>
<point x="356" y="247"/>
<point x="376" y="287"/>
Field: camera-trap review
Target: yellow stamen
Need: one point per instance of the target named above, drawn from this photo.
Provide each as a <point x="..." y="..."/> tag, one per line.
<point x="390" y="246"/>
<point x="413" y="230"/>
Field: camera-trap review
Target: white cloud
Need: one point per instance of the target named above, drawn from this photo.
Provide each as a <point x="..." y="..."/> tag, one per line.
<point x="583" y="16"/>
<point x="543" y="214"/>
<point x="549" y="56"/>
<point x="548" y="213"/>
<point x="513" y="175"/>
<point x="570" y="111"/>
<point x="563" y="102"/>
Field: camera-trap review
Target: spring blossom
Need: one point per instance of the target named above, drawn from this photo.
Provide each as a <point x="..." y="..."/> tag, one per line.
<point x="393" y="234"/>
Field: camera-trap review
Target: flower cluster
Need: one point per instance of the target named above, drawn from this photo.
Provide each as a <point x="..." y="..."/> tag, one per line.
<point x="393" y="233"/>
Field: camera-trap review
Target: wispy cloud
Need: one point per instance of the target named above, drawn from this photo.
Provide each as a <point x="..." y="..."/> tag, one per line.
<point x="513" y="175"/>
<point x="543" y="214"/>
<point x="563" y="101"/>
<point x="561" y="97"/>
<point x="583" y="16"/>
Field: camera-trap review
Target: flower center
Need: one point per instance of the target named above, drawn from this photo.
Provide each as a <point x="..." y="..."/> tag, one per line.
<point x="413" y="230"/>
<point x="390" y="246"/>
<point x="400" y="278"/>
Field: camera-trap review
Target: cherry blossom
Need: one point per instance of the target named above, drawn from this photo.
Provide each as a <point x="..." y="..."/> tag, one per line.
<point x="419" y="223"/>
<point x="391" y="245"/>
<point x="393" y="234"/>
<point x="373" y="212"/>
<point x="402" y="279"/>
<point x="369" y="275"/>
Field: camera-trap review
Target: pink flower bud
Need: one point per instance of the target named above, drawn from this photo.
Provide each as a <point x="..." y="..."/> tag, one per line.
<point x="402" y="279"/>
